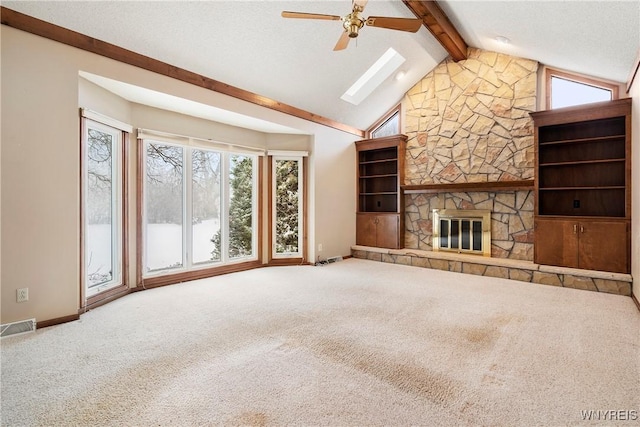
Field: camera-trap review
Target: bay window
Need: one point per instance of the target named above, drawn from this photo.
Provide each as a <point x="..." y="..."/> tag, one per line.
<point x="199" y="207"/>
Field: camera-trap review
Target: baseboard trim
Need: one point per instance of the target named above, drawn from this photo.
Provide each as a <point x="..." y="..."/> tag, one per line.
<point x="171" y="279"/>
<point x="633" y="297"/>
<point x="57" y="321"/>
<point x="107" y="298"/>
<point x="286" y="262"/>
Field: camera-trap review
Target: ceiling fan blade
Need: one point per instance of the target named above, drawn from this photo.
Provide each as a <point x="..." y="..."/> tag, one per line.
<point x="402" y="24"/>
<point x="302" y="15"/>
<point x="343" y="41"/>
<point x="360" y="3"/>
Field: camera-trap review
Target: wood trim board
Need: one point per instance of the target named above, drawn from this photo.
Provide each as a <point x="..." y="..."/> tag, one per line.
<point x="469" y="186"/>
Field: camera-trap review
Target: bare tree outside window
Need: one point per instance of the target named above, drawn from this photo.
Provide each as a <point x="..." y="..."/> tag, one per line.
<point x="205" y="219"/>
<point x="164" y="206"/>
<point x="99" y="209"/>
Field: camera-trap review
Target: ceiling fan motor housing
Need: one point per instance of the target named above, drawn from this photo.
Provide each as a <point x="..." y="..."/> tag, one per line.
<point x="352" y="24"/>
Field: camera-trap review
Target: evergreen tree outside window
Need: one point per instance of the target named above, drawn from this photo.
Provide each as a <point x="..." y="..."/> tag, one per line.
<point x="287" y="188"/>
<point x="241" y="206"/>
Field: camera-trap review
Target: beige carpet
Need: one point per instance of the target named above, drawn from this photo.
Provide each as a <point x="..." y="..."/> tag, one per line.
<point x="351" y="343"/>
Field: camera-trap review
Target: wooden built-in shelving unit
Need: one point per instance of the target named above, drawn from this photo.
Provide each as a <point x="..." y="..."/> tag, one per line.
<point x="583" y="182"/>
<point x="380" y="166"/>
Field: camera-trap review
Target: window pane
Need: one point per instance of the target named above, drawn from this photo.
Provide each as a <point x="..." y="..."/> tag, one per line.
<point x="99" y="208"/>
<point x="240" y="206"/>
<point x="287" y="207"/>
<point x="565" y="93"/>
<point x="206" y="206"/>
<point x="391" y="126"/>
<point x="164" y="207"/>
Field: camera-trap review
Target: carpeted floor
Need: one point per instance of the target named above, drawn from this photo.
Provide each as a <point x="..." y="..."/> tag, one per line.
<point x="351" y="343"/>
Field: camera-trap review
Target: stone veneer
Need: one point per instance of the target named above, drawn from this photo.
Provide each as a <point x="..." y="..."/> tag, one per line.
<point x="524" y="271"/>
<point x="468" y="121"/>
<point x="511" y="219"/>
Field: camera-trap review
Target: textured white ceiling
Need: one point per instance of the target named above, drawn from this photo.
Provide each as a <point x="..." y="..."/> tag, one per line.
<point x="597" y="38"/>
<point x="249" y="45"/>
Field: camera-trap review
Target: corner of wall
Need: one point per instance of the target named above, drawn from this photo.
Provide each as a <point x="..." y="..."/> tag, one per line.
<point x="634" y="93"/>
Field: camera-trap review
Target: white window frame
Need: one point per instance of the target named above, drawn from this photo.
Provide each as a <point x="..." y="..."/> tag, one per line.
<point x="117" y="244"/>
<point x="551" y="73"/>
<point x="227" y="204"/>
<point x="187" y="199"/>
<point x="300" y="159"/>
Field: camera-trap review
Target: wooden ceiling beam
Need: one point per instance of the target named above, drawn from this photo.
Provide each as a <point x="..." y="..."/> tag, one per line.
<point x="438" y="23"/>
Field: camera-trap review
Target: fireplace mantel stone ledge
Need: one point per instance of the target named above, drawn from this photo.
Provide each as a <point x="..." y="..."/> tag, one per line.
<point x="525" y="271"/>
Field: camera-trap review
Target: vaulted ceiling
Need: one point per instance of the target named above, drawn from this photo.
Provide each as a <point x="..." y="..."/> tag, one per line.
<point x="247" y="44"/>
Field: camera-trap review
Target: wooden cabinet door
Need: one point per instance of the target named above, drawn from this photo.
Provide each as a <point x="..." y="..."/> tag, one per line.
<point x="556" y="242"/>
<point x="388" y="231"/>
<point x="366" y="229"/>
<point x="603" y="246"/>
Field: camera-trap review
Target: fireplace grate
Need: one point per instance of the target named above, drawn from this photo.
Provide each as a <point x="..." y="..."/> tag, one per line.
<point x="462" y="231"/>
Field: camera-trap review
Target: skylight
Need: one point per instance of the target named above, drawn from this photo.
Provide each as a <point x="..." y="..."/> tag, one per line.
<point x="373" y="77"/>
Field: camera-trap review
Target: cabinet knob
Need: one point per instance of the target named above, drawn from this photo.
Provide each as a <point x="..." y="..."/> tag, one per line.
<point x="575" y="228"/>
<point x="582" y="229"/>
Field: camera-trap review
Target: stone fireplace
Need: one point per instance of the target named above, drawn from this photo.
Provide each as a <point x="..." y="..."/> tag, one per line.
<point x="470" y="148"/>
<point x="469" y="133"/>
<point x="511" y="219"/>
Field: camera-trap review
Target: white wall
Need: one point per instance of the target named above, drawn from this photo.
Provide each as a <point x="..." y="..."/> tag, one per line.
<point x="635" y="186"/>
<point x="40" y="174"/>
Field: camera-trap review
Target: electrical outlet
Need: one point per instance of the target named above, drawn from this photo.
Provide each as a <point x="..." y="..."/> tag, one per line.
<point x="319" y="247"/>
<point x="22" y="295"/>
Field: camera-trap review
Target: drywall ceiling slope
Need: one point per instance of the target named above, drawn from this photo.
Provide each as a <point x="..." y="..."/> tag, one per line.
<point x="597" y="38"/>
<point x="248" y="44"/>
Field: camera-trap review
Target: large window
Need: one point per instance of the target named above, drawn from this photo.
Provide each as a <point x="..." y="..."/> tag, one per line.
<point x="102" y="207"/>
<point x="287" y="206"/>
<point x="200" y="207"/>
<point x="566" y="89"/>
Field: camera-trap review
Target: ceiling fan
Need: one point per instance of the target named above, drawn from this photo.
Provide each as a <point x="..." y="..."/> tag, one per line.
<point x="353" y="22"/>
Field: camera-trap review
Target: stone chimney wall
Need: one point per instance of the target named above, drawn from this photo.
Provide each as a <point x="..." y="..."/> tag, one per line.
<point x="469" y="122"/>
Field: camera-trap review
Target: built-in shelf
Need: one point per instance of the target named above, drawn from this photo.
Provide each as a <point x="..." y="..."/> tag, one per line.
<point x="582" y="204"/>
<point x="469" y="186"/>
<point x="582" y="162"/>
<point x="379" y="176"/>
<point x="600" y="187"/>
<point x="371" y="162"/>
<point x="380" y="216"/>
<point x="580" y="140"/>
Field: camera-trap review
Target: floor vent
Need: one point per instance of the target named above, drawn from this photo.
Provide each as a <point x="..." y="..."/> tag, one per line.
<point x="17" y="328"/>
<point x="329" y="261"/>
